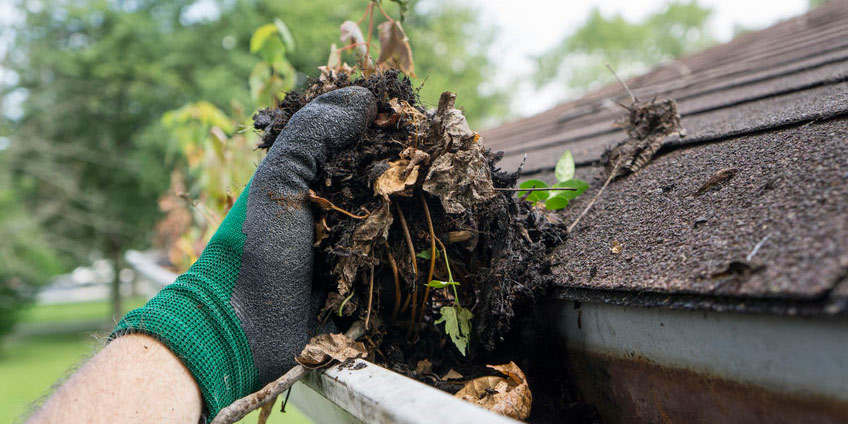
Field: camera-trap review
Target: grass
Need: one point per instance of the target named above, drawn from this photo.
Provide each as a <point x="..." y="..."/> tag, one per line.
<point x="30" y="365"/>
<point x="76" y="312"/>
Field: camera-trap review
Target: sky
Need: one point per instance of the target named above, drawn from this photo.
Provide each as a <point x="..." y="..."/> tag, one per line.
<point x="530" y="27"/>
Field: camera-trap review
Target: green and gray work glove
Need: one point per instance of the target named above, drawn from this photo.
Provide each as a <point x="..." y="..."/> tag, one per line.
<point x="239" y="315"/>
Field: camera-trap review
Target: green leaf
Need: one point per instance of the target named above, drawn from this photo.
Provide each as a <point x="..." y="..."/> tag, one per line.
<point x="425" y="254"/>
<point x="260" y="36"/>
<point x="556" y="203"/>
<point x="438" y="284"/>
<point x="564" y="170"/>
<point x="285" y="34"/>
<point x="457" y="325"/>
<point x="574" y="183"/>
<point x="535" y="196"/>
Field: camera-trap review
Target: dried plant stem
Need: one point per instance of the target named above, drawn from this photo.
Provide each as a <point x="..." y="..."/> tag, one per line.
<point x="406" y="303"/>
<point x="394" y="266"/>
<point x="266" y="411"/>
<point x="632" y="97"/>
<point x="266" y="395"/>
<point x="385" y="15"/>
<point x="326" y="204"/>
<point x="370" y="296"/>
<point x="432" y="259"/>
<point x="409" y="244"/>
<point x="594" y="199"/>
<point x="241" y="407"/>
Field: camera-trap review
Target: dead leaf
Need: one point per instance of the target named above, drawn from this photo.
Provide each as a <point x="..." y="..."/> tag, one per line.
<point x="350" y="33"/>
<point x="322" y="231"/>
<point x="373" y="228"/>
<point x="406" y="110"/>
<point x="394" y="48"/>
<point x="398" y="179"/>
<point x="452" y="375"/>
<point x="616" y="247"/>
<point x="508" y="396"/>
<point x="460" y="180"/>
<point x="424" y="366"/>
<point x="385" y="120"/>
<point x="326" y="348"/>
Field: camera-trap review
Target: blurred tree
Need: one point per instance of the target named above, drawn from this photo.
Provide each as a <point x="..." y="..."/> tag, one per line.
<point x="581" y="58"/>
<point x="89" y="155"/>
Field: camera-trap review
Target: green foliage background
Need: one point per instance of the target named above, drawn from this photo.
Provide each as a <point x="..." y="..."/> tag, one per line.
<point x="89" y="156"/>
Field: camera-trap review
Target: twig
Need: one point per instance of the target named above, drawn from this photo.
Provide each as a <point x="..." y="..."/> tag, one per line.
<point x="388" y="18"/>
<point x="432" y="260"/>
<point x="370" y="297"/>
<point x="370" y="30"/>
<point x="266" y="411"/>
<point x="393" y="264"/>
<point x="285" y="400"/>
<point x="757" y="248"/>
<point x="537" y="189"/>
<point x="243" y="406"/>
<point x="632" y="97"/>
<point x="594" y="199"/>
<point x="408" y="242"/>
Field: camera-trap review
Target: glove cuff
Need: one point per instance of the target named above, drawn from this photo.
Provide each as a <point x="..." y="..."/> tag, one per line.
<point x="194" y="318"/>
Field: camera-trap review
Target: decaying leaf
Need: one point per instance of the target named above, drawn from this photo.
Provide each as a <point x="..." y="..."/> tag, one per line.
<point x="396" y="179"/>
<point x="452" y="374"/>
<point x="371" y="229"/>
<point x="394" y="48"/>
<point x="616" y="247"/>
<point x="386" y="120"/>
<point x="508" y="396"/>
<point x="457" y="324"/>
<point x="322" y="231"/>
<point x="460" y="180"/>
<point x="407" y="111"/>
<point x="460" y="177"/>
<point x="647" y="125"/>
<point x="424" y="366"/>
<point x="325" y="348"/>
<point x="350" y="33"/>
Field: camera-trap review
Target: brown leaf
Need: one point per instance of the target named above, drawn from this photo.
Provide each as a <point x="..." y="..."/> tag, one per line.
<point x="508" y="396"/>
<point x="394" y="48"/>
<point x="407" y="111"/>
<point x="322" y="231"/>
<point x="424" y="366"/>
<point x="398" y="179"/>
<point x="326" y="348"/>
<point x="373" y="228"/>
<point x="616" y="247"/>
<point x="461" y="180"/>
<point x="385" y="120"/>
<point x="452" y="375"/>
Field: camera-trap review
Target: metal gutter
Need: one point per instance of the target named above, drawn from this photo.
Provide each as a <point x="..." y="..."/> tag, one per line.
<point x="361" y="392"/>
<point x="367" y="393"/>
<point x="661" y="365"/>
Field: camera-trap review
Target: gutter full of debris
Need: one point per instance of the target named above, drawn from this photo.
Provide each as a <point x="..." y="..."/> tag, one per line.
<point x="357" y="392"/>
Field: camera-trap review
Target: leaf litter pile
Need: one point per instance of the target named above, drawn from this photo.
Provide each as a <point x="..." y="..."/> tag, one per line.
<point x="414" y="237"/>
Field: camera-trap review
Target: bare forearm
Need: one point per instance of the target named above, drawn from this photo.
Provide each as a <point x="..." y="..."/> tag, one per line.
<point x="135" y="379"/>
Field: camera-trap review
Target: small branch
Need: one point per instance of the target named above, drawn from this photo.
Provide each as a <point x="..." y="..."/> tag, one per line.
<point x="408" y="242"/>
<point x="394" y="266"/>
<point x="241" y="407"/>
<point x="370" y="296"/>
<point x="432" y="260"/>
<point x="594" y="199"/>
<point x="632" y="97"/>
<point x="537" y="189"/>
<point x="385" y="15"/>
<point x="266" y="411"/>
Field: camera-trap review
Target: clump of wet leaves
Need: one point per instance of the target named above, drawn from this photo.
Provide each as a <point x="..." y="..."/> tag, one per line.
<point x="420" y="181"/>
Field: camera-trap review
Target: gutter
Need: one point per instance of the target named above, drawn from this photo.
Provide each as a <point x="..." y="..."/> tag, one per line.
<point x="638" y="364"/>
<point x="361" y="392"/>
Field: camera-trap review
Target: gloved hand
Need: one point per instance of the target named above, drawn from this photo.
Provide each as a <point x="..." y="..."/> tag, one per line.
<point x="239" y="315"/>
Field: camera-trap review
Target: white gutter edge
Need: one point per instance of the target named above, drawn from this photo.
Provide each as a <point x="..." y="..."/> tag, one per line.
<point x="376" y="395"/>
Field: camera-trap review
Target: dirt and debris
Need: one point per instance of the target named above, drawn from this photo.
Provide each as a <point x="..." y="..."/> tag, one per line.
<point x="508" y="395"/>
<point x="420" y="183"/>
